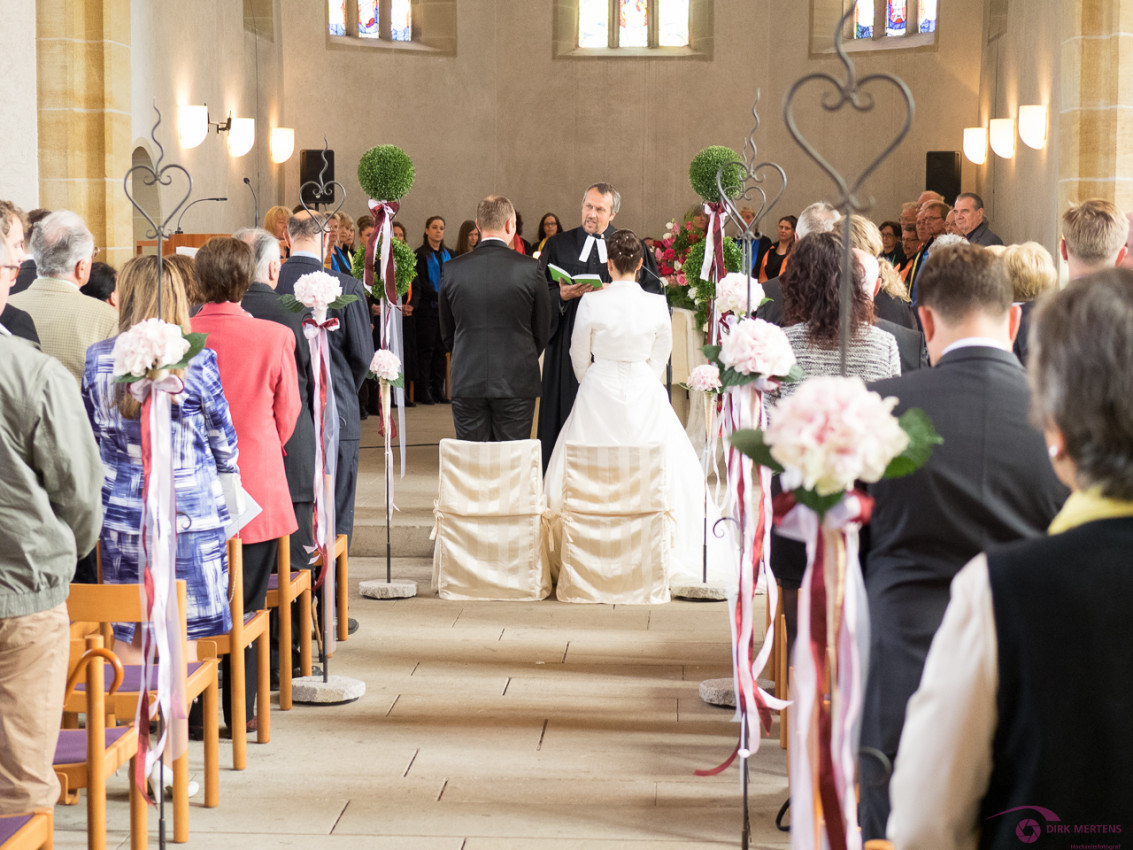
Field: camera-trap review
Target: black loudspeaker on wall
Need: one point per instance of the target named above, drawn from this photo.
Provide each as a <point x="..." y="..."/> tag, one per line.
<point x="310" y="167"/>
<point x="942" y="174"/>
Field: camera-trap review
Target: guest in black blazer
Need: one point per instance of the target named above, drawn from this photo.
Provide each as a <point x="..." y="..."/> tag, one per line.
<point x="351" y="350"/>
<point x="262" y="301"/>
<point x="989" y="482"/>
<point x="495" y="317"/>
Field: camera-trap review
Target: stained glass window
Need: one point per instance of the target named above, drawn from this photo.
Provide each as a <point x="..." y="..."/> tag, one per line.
<point x="672" y="23"/>
<point x="369" y="18"/>
<point x="895" y="17"/>
<point x="863" y="19"/>
<point x="926" y="14"/>
<point x="401" y="21"/>
<point x="633" y="21"/>
<point x="593" y="23"/>
<point x="337" y="17"/>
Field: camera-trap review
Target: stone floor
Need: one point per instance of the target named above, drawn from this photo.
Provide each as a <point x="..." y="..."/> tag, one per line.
<point x="488" y="726"/>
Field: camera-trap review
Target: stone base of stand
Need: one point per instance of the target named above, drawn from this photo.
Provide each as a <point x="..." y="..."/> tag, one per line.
<point x="711" y="591"/>
<point x="312" y="690"/>
<point x="719" y="692"/>
<point x="396" y="589"/>
<point x="722" y="691"/>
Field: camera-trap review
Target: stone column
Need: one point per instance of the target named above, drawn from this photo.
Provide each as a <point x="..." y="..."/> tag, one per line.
<point x="1096" y="121"/>
<point x="83" y="81"/>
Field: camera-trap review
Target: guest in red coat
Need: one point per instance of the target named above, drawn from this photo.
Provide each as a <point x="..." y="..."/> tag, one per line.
<point x="257" y="368"/>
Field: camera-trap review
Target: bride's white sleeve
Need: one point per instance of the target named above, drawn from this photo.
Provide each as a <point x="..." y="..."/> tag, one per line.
<point x="581" y="339"/>
<point x="663" y="341"/>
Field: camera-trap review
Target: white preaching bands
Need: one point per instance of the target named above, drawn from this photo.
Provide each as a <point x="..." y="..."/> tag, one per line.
<point x="591" y="241"/>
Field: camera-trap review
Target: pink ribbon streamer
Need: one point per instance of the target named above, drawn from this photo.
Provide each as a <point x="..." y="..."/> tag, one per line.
<point x="828" y="763"/>
<point x="163" y="662"/>
<point x="326" y="461"/>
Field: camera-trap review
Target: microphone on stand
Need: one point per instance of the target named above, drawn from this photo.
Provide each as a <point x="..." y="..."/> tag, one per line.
<point x="255" y="202"/>
<point x="199" y="200"/>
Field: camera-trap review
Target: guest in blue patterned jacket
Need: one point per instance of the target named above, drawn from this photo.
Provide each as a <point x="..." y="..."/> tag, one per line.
<point x="204" y="449"/>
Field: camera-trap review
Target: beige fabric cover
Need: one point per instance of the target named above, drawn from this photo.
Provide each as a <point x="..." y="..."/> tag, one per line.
<point x="489" y="513"/>
<point x="615" y="530"/>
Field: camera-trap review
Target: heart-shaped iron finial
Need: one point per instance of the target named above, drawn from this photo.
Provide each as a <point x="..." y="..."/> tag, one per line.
<point x="849" y="91"/>
<point x="321" y="187"/>
<point x="161" y="175"/>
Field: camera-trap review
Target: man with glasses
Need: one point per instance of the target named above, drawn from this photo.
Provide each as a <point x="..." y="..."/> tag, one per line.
<point x="931" y="220"/>
<point x="67" y="321"/>
<point x="971" y="222"/>
<point x="16" y="322"/>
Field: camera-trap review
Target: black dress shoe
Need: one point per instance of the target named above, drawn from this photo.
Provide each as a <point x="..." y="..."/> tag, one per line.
<point x="363" y="414"/>
<point x="425" y="398"/>
<point x="409" y="403"/>
<point x="439" y="397"/>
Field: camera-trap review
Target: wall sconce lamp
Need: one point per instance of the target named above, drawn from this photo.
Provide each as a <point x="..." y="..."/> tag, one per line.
<point x="1001" y="133"/>
<point x="1032" y="126"/>
<point x="975" y="144"/>
<point x="193" y="126"/>
<point x="241" y="135"/>
<point x="282" y="144"/>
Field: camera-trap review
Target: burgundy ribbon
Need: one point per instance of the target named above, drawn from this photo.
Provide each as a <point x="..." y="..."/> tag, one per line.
<point x="716" y="222"/>
<point x="828" y="792"/>
<point x="384" y="211"/>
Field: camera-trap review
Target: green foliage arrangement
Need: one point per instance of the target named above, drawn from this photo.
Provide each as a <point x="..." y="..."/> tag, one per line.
<point x="704" y="167"/>
<point x="386" y="173"/>
<point x="404" y="267"/>
<point x="702" y="291"/>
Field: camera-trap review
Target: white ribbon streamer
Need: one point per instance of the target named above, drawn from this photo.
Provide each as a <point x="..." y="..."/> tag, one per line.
<point x="161" y="645"/>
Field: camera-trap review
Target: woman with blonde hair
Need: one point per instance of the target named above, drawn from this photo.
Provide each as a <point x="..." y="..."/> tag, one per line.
<point x="204" y="449"/>
<point x="1032" y="273"/>
<point x="275" y="223"/>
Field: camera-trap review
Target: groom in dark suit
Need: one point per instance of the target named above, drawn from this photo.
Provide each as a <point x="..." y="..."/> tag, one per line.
<point x="495" y="316"/>
<point x="578" y="251"/>
<point x="989" y="482"/>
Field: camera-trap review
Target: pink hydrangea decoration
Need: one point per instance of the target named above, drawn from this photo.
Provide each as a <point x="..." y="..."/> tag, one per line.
<point x="704" y="379"/>
<point x="385" y="365"/>
<point x="832" y="432"/>
<point x="756" y="347"/>
<point x="317" y="290"/>
<point x="150" y="344"/>
<point x="732" y="294"/>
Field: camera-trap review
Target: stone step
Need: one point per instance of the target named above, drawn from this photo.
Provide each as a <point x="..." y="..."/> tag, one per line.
<point x="408" y="536"/>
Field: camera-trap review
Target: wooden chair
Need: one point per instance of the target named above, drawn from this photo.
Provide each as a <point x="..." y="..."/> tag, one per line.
<point x="246" y="628"/>
<point x="297" y="585"/>
<point x="29" y="831"/>
<point x="85" y="758"/>
<point x="341" y="591"/>
<point x="106" y="604"/>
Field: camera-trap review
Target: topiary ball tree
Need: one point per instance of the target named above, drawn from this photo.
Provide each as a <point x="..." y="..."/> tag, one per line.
<point x="704" y="167"/>
<point x="386" y="173"/>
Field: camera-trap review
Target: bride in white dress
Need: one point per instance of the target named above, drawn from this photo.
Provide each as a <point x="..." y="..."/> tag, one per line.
<point x="621" y="344"/>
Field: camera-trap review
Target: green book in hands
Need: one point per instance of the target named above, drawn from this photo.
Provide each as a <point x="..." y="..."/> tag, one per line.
<point x="561" y="275"/>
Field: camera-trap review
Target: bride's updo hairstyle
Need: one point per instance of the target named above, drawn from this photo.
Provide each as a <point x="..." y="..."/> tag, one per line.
<point x="625" y="251"/>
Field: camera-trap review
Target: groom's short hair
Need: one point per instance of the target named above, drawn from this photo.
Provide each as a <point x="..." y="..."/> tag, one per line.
<point x="494" y="212"/>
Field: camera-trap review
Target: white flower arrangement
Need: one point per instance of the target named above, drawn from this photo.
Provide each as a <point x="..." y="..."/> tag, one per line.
<point x="753" y="347"/>
<point x="386" y="367"/>
<point x="705" y="378"/>
<point x="834" y="431"/>
<point x="317" y="292"/>
<point x="732" y="294"/>
<point x="152" y="346"/>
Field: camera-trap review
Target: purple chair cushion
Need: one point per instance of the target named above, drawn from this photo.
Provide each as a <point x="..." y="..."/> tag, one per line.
<point x="132" y="678"/>
<point x="71" y="748"/>
<point x="11" y="824"/>
<point x="273" y="580"/>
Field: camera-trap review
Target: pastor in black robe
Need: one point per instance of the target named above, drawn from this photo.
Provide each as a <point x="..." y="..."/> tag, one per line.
<point x="559" y="384"/>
